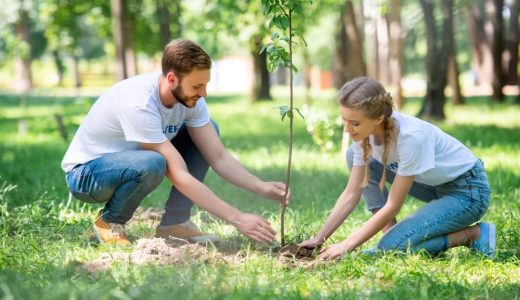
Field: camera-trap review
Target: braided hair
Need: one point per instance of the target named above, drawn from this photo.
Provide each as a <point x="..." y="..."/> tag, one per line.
<point x="370" y="97"/>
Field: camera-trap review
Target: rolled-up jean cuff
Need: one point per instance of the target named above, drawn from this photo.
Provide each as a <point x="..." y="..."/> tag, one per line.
<point x="446" y="242"/>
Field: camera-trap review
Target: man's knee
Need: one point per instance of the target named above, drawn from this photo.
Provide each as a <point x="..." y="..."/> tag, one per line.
<point x="155" y="168"/>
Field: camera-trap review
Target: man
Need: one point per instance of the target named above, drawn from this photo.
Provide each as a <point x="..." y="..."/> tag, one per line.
<point x="155" y="124"/>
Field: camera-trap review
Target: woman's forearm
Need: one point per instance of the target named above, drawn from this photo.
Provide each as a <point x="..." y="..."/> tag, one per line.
<point x="343" y="208"/>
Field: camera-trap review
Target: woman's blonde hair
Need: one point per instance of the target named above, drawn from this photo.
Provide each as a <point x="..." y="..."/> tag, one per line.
<point x="370" y="97"/>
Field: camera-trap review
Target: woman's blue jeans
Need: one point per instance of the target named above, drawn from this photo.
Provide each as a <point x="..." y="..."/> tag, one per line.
<point x="122" y="180"/>
<point x="449" y="207"/>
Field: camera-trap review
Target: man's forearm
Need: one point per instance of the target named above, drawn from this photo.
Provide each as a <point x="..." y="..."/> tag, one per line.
<point x="232" y="171"/>
<point x="204" y="197"/>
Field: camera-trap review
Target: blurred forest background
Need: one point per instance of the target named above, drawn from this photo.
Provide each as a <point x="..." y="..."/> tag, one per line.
<point x="441" y="50"/>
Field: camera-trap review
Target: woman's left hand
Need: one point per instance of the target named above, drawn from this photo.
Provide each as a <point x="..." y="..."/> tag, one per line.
<point x="335" y="251"/>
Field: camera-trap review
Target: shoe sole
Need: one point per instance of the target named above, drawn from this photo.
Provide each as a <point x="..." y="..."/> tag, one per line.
<point x="205" y="239"/>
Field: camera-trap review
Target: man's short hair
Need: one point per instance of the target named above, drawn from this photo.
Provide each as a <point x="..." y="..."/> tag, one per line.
<point x="183" y="56"/>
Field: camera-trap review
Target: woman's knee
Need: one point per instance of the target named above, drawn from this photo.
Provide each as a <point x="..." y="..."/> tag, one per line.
<point x="393" y="241"/>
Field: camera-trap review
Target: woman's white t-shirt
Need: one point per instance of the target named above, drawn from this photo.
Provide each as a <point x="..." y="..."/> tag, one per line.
<point x="127" y="114"/>
<point x="422" y="150"/>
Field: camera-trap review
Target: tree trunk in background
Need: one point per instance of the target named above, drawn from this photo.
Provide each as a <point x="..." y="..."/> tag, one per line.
<point x="370" y="31"/>
<point x="396" y="36"/>
<point x="377" y="42"/>
<point x="167" y="17"/>
<point x="261" y="79"/>
<point x="453" y="68"/>
<point x="453" y="79"/>
<point x="60" y="66"/>
<point x="348" y="55"/>
<point x="128" y="32"/>
<point x="383" y="49"/>
<point x="436" y="58"/>
<point x="163" y="16"/>
<point x="23" y="60"/>
<point x="512" y="45"/>
<point x="77" y="77"/>
<point x="494" y="11"/>
<point x="481" y="58"/>
<point x="116" y="7"/>
<point x="307" y="76"/>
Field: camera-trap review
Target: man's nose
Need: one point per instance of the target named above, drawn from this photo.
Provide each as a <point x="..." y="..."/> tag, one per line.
<point x="203" y="92"/>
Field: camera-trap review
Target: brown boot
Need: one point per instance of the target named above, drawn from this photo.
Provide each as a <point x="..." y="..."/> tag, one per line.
<point x="186" y="231"/>
<point x="110" y="233"/>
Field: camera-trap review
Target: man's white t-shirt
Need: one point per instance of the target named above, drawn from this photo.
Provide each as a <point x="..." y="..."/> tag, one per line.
<point x="127" y="114"/>
<point x="422" y="150"/>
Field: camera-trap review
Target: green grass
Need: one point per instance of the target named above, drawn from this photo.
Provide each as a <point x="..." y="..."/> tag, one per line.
<point x="43" y="242"/>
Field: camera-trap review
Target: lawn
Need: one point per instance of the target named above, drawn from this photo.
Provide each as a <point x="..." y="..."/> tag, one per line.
<point x="46" y="242"/>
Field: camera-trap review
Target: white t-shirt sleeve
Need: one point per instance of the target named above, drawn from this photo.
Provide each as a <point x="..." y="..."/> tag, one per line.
<point x="199" y="115"/>
<point x="416" y="152"/>
<point x="141" y="124"/>
<point x="358" y="154"/>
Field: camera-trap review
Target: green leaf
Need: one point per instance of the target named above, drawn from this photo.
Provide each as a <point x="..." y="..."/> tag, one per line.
<point x="263" y="49"/>
<point x="284" y="22"/>
<point x="283" y="110"/>
<point x="298" y="110"/>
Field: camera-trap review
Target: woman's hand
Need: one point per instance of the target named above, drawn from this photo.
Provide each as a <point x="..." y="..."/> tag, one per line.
<point x="335" y="251"/>
<point x="311" y="244"/>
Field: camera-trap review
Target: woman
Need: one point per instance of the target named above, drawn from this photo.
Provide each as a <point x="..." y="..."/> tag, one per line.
<point x="417" y="158"/>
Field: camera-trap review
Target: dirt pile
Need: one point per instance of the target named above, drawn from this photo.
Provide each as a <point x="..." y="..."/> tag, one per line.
<point x="155" y="251"/>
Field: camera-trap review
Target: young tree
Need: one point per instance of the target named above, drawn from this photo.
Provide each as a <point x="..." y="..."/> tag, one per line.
<point x="280" y="52"/>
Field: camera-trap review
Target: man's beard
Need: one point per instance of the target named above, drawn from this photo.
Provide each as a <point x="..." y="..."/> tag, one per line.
<point x="178" y="93"/>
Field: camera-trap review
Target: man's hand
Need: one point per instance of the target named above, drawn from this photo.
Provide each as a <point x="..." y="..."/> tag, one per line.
<point x="255" y="227"/>
<point x="275" y="191"/>
<point x="335" y="251"/>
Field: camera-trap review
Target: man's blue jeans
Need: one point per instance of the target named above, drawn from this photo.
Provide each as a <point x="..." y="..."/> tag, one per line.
<point x="449" y="207"/>
<point x="122" y="180"/>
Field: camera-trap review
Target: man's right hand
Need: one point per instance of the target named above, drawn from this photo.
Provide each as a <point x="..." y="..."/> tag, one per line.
<point x="255" y="227"/>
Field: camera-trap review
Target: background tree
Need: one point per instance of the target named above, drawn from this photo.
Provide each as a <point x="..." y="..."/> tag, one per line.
<point x="348" y="56"/>
<point x="384" y="41"/>
<point x="512" y="40"/>
<point x="21" y="39"/>
<point x="439" y="47"/>
<point x="169" y="18"/>
<point x="77" y="30"/>
<point x="243" y="20"/>
<point x="122" y="37"/>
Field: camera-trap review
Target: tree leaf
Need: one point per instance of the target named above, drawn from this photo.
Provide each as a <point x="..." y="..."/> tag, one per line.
<point x="298" y="110"/>
<point x="284" y="22"/>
